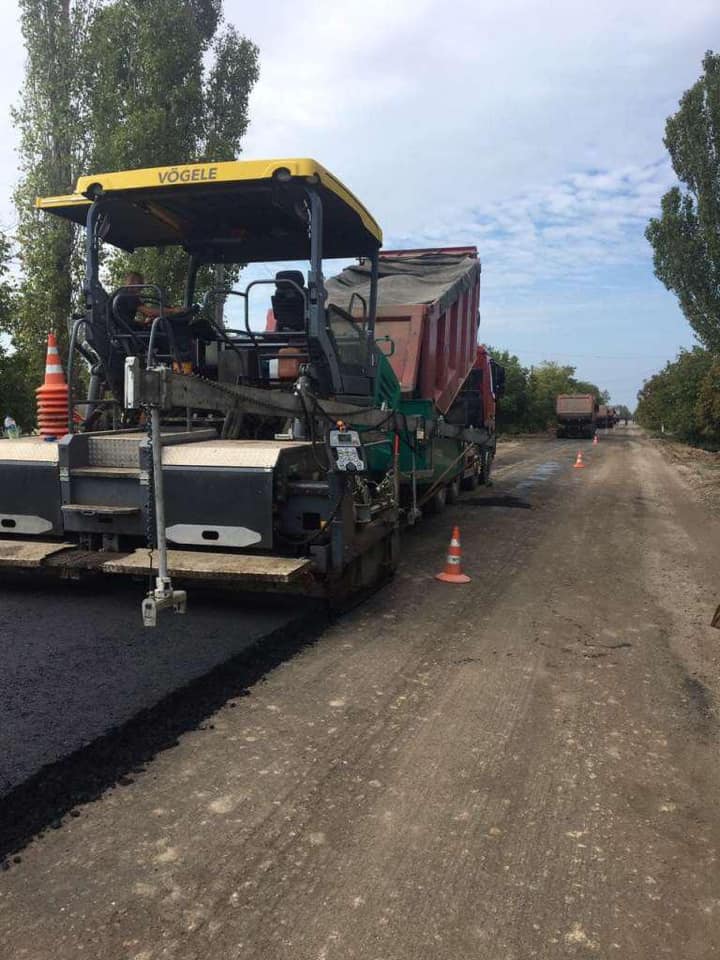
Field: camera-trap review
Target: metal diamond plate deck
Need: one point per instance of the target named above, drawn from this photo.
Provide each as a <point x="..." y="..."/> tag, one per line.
<point x="258" y="454"/>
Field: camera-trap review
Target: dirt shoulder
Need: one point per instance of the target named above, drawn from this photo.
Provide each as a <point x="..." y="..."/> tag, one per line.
<point x="699" y="468"/>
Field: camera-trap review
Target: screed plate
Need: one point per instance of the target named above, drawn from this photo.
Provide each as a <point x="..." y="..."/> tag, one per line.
<point x="213" y="566"/>
<point x="28" y="553"/>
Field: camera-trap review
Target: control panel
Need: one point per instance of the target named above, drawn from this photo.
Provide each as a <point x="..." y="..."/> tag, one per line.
<point x="346" y="451"/>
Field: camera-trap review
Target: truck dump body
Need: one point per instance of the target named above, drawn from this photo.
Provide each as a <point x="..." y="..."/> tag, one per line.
<point x="576" y="414"/>
<point x="427" y="323"/>
<point x="573" y="406"/>
<point x="428" y="308"/>
<point x="604" y="417"/>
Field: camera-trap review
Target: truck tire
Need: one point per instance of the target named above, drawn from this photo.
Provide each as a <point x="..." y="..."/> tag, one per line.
<point x="486" y="459"/>
<point x="436" y="503"/>
<point x="452" y="491"/>
<point x="471" y="481"/>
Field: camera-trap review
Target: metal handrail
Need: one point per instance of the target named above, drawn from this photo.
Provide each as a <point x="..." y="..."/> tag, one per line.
<point x="71" y="354"/>
<point x="245" y="294"/>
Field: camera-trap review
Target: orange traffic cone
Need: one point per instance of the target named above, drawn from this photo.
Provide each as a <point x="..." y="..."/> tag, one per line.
<point x="453" y="571"/>
<point x="578" y="461"/>
<point x="52" y="396"/>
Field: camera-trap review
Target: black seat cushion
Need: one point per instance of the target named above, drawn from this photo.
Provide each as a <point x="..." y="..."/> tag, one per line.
<point x="288" y="304"/>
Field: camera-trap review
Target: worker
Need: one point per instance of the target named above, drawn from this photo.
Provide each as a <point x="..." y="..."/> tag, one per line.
<point x="130" y="307"/>
<point x="11" y="428"/>
<point x="129" y="302"/>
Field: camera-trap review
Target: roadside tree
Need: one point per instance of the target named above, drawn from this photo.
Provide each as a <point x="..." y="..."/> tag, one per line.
<point x="156" y="103"/>
<point x="686" y="236"/>
<point x="681" y="399"/>
<point x="17" y="398"/>
<point x="513" y="410"/>
<point x="114" y="85"/>
<point x="52" y="121"/>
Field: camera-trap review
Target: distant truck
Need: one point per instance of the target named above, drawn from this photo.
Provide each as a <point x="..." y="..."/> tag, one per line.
<point x="576" y="415"/>
<point x="606" y="417"/>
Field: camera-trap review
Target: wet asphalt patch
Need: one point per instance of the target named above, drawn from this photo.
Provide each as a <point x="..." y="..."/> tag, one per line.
<point x="506" y="500"/>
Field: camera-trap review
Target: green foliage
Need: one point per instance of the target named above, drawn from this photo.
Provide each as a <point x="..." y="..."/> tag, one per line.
<point x="686" y="236"/>
<point x="17" y="395"/>
<point x="115" y="84"/>
<point x="545" y="382"/>
<point x="16" y="384"/>
<point x="513" y="408"/>
<point x="52" y="123"/>
<point x="683" y="399"/>
<point x="528" y="405"/>
<point x="155" y="104"/>
<point x="707" y="407"/>
<point x="233" y="75"/>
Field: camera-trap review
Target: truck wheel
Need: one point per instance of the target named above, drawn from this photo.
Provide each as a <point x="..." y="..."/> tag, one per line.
<point x="436" y="503"/>
<point x="471" y="481"/>
<point x="392" y="554"/>
<point x="452" y="491"/>
<point x="486" y="460"/>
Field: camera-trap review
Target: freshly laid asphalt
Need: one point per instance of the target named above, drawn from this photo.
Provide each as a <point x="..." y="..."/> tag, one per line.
<point x="77" y="662"/>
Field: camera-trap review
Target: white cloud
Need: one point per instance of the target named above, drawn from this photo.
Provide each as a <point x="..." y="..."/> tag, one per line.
<point x="421" y="105"/>
<point x="578" y="230"/>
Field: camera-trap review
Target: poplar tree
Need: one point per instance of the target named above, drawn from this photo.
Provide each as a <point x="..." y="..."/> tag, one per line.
<point x="154" y="103"/>
<point x="112" y="85"/>
<point x="686" y="236"/>
<point x="16" y="388"/>
<point x="52" y="122"/>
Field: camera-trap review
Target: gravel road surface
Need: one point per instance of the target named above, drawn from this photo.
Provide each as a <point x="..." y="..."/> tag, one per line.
<point x="525" y="766"/>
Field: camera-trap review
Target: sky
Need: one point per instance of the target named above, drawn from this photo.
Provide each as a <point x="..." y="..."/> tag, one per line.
<point x="530" y="129"/>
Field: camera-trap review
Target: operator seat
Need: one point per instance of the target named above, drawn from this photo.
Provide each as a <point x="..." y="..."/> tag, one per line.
<point x="288" y="304"/>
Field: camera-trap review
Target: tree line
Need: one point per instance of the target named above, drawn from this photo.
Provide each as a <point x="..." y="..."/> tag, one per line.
<point x="109" y="85"/>
<point x="684" y="397"/>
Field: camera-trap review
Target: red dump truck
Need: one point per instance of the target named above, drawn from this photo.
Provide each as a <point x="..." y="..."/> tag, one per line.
<point x="576" y="415"/>
<point x="427" y="327"/>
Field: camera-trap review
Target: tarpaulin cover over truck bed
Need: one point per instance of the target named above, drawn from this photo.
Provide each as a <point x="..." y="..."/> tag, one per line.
<point x="428" y="307"/>
<point x="431" y="278"/>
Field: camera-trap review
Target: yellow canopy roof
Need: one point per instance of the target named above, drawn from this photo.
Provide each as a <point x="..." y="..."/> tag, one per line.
<point x="240" y="210"/>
